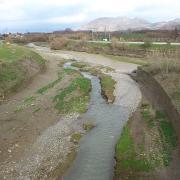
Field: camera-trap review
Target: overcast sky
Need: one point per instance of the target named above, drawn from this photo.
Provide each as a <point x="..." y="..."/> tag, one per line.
<point x="48" y="15"/>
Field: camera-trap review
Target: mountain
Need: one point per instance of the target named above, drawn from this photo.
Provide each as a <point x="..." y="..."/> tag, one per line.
<point x="125" y="23"/>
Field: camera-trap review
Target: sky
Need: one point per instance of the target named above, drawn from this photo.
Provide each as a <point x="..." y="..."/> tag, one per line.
<point x="50" y="15"/>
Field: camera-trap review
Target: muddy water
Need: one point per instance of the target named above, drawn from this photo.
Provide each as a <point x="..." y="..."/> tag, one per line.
<point x="95" y="158"/>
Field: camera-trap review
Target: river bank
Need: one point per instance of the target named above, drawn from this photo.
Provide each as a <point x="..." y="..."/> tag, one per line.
<point x="42" y="134"/>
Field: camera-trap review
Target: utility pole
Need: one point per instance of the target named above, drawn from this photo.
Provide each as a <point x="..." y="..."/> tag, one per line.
<point x="109" y="36"/>
<point x="105" y="35"/>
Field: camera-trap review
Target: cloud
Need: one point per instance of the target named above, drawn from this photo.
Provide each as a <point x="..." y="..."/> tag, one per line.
<point x="76" y="18"/>
<point x="16" y="13"/>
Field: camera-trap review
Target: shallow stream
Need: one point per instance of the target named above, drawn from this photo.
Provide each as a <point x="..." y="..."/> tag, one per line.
<point x="95" y="158"/>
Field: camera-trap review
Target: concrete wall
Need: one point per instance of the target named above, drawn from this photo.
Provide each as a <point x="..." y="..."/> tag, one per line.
<point x="154" y="92"/>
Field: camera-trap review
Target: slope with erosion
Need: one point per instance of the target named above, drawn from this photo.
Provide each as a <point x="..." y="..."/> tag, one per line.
<point x="18" y="65"/>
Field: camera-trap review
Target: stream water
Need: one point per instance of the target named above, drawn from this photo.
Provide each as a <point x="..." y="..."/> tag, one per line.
<point x="95" y="158"/>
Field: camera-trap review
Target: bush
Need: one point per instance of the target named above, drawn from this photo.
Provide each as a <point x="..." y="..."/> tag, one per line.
<point x="59" y="43"/>
<point x="147" y="44"/>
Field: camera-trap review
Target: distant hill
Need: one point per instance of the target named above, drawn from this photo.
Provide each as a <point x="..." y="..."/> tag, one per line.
<point x="125" y="23"/>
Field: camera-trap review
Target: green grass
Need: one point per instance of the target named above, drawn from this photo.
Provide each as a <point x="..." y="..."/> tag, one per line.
<point x="14" y="53"/>
<point x="153" y="151"/>
<point x="107" y="86"/>
<point x="167" y="129"/>
<point x="154" y="46"/>
<point x="133" y="36"/>
<point x="12" y="72"/>
<point x="128" y="164"/>
<point x="29" y="100"/>
<point x="60" y="77"/>
<point x="147" y="115"/>
<point x="50" y="85"/>
<point x="26" y="103"/>
<point x="79" y="101"/>
<point x="167" y="142"/>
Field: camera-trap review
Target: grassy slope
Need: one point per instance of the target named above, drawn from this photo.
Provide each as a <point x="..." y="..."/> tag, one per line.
<point x="12" y="73"/>
<point x="135" y="157"/>
<point x="14" y="53"/>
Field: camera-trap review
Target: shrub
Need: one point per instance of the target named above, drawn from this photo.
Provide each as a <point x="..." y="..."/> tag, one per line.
<point x="59" y="43"/>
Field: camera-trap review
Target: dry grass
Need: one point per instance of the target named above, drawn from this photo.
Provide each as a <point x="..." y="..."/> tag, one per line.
<point x="164" y="63"/>
<point x="59" y="43"/>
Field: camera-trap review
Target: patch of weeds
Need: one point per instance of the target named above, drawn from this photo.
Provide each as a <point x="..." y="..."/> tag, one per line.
<point x="92" y="70"/>
<point x="107" y="87"/>
<point x="128" y="164"/>
<point x="37" y="110"/>
<point x="79" y="64"/>
<point x="75" y="138"/>
<point x="152" y="151"/>
<point x="88" y="126"/>
<point x="76" y="103"/>
<point x="167" y="139"/>
<point x="20" y="108"/>
<point x="160" y="115"/>
<point x="70" y="71"/>
<point x="108" y="69"/>
<point x="29" y="100"/>
<point x="147" y="114"/>
<point x="168" y="133"/>
<point x="50" y="85"/>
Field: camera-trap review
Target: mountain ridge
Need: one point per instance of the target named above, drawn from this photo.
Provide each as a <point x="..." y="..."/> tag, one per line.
<point x="122" y="23"/>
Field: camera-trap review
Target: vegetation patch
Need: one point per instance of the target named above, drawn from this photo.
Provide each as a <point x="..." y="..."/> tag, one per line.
<point x="13" y="69"/>
<point x="107" y="87"/>
<point x="50" y="85"/>
<point x="14" y="53"/>
<point x="128" y="164"/>
<point x="75" y="138"/>
<point x="75" y="97"/>
<point x="26" y="103"/>
<point x="66" y="71"/>
<point x="88" y="126"/>
<point x="106" y="81"/>
<point x="147" y="147"/>
<point x="79" y="64"/>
